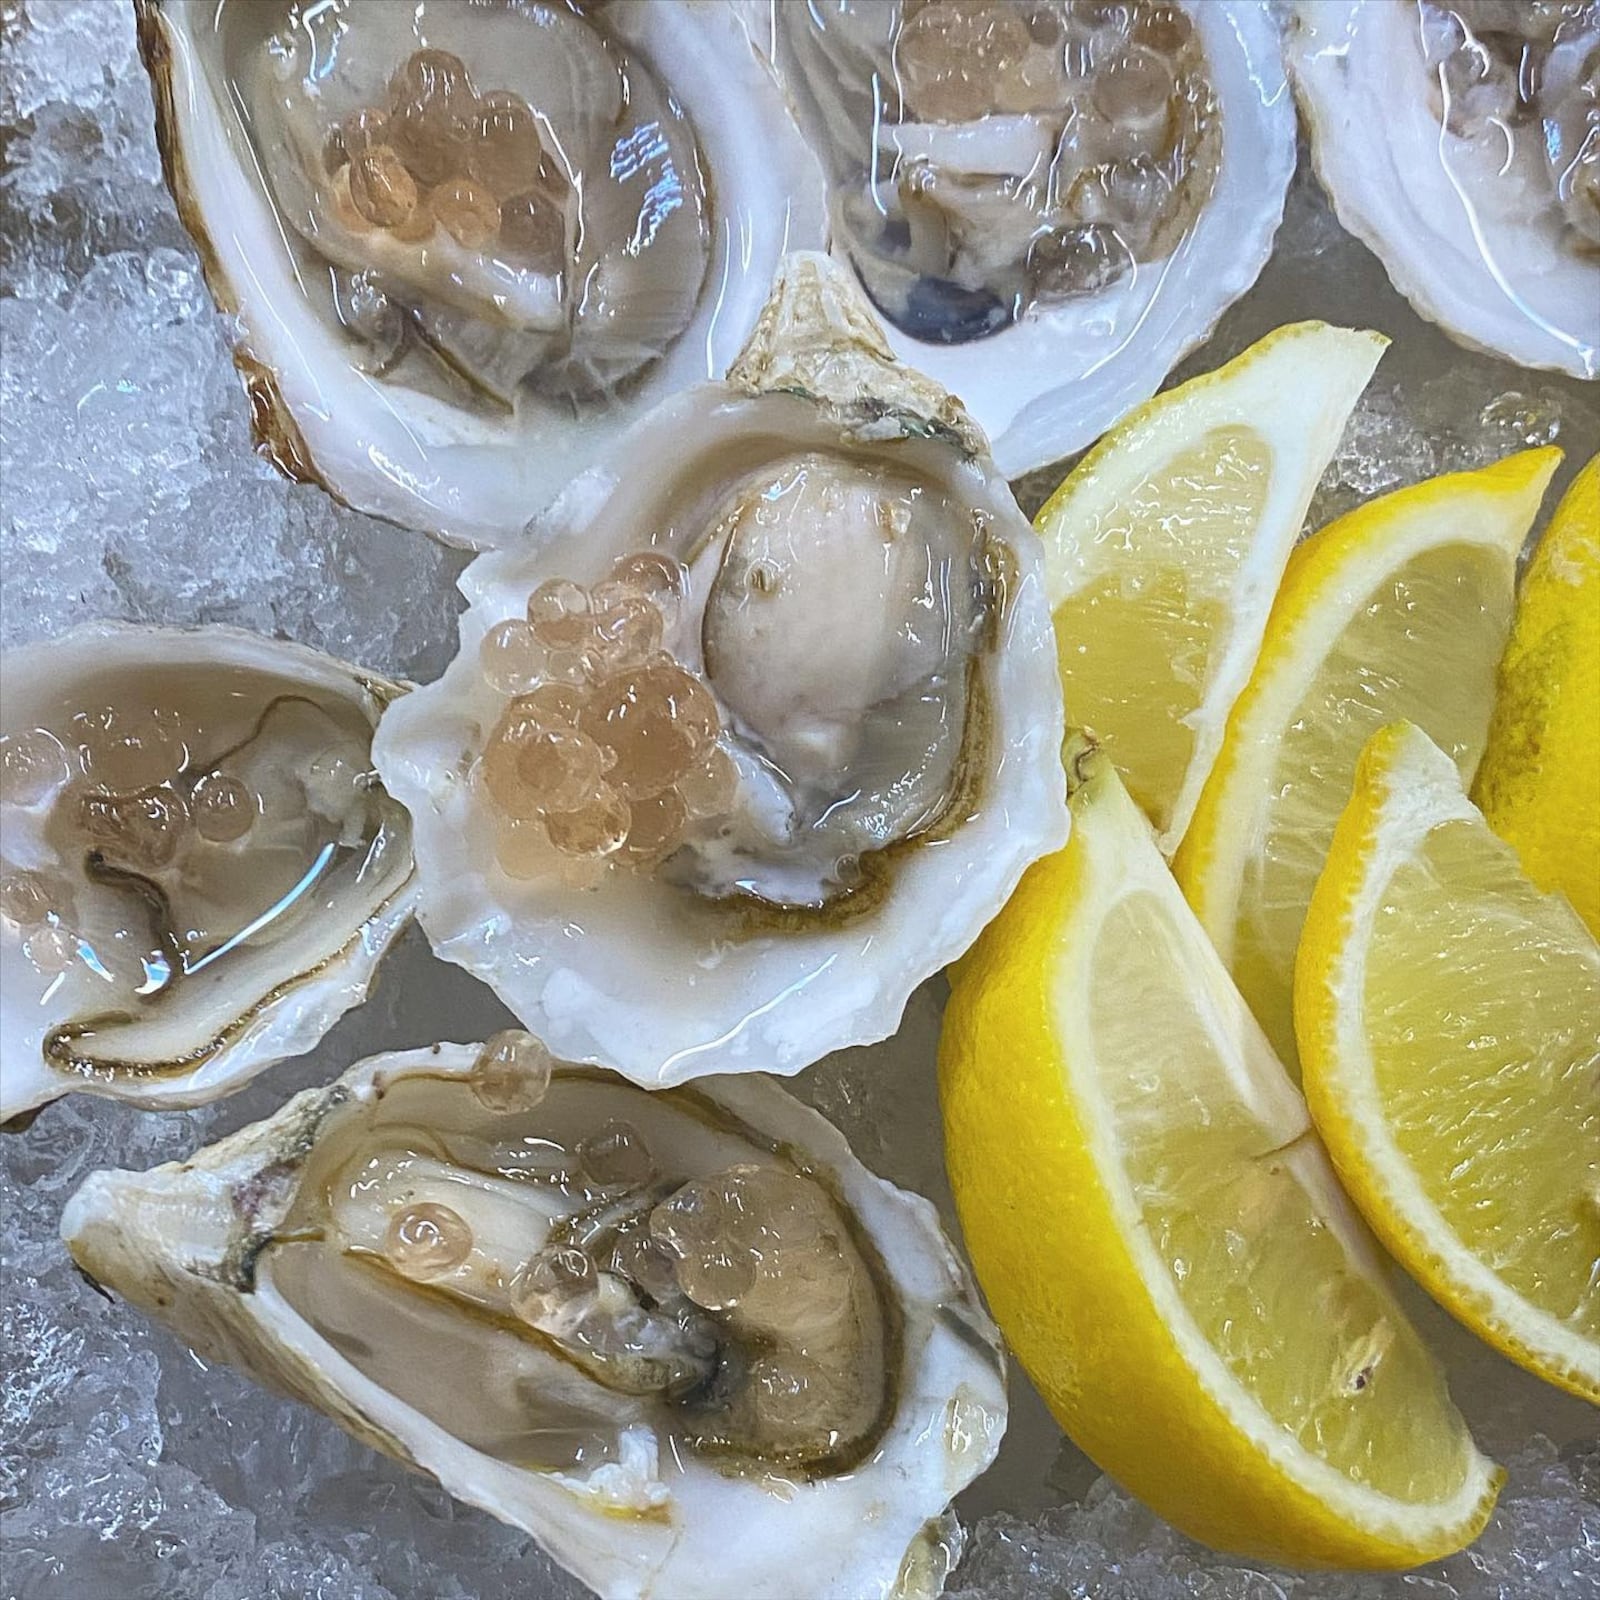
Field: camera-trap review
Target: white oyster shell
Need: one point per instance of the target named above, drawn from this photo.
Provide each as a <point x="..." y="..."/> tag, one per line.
<point x="1473" y="240"/>
<point x="1054" y="381"/>
<point x="472" y="478"/>
<point x="635" y="974"/>
<point x="293" y="990"/>
<point x="190" y="1244"/>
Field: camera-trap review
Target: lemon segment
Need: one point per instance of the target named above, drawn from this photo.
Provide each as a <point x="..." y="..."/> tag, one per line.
<point x="1449" y="1021"/>
<point x="1399" y="609"/>
<point x="1161" y="1237"/>
<point x="1164" y="547"/>
<point x="1539" y="782"/>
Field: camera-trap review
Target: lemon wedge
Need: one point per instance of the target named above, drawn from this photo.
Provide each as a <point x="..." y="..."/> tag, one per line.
<point x="1398" y="610"/>
<point x="1164" y="547"/>
<point x="1449" y="1021"/>
<point x="1539" y="783"/>
<point x="1161" y="1237"/>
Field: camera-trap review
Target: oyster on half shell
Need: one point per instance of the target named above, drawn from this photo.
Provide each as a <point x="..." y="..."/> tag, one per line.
<point x="467" y="239"/>
<point x="684" y="1339"/>
<point x="1049" y="201"/>
<point x="760" y="728"/>
<point x="199" y="870"/>
<point x="1461" y="142"/>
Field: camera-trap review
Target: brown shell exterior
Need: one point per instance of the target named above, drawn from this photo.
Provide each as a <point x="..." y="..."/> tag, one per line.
<point x="817" y="336"/>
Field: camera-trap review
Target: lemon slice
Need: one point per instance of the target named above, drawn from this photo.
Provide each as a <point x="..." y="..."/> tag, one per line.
<point x="1539" y="783"/>
<point x="1161" y="1237"/>
<point x="1449" y="1019"/>
<point x="1164" y="548"/>
<point x="1398" y="610"/>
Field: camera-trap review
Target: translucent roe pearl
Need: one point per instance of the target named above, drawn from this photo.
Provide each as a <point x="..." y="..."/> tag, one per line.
<point x="51" y="949"/>
<point x="616" y="1156"/>
<point x="559" y="612"/>
<point x="436" y="78"/>
<point x="223" y="808"/>
<point x="126" y="748"/>
<point x="599" y="829"/>
<point x="717" y="1276"/>
<point x="467" y="211"/>
<point x="355" y="133"/>
<point x="25" y="899"/>
<point x="533" y="230"/>
<point x="548" y="1278"/>
<point x="426" y="1239"/>
<point x="505" y="151"/>
<point x="511" y="657"/>
<point x="429" y="141"/>
<point x="381" y="188"/>
<point x="512" y="1072"/>
<point x="655" y="826"/>
<point x="33" y="765"/>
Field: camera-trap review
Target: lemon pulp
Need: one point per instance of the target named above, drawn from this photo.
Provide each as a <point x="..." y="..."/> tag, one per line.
<point x="1172" y="546"/>
<point x="1539" y="784"/>
<point x="1161" y="1237"/>
<point x="1398" y="610"/>
<point x="1449" y="1022"/>
<point x="1164" y="547"/>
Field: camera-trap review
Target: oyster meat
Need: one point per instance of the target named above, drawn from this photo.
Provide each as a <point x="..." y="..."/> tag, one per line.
<point x="1461" y="142"/>
<point x="760" y="728"/>
<point x="1049" y="201"/>
<point x="198" y="868"/>
<point x="466" y="239"/>
<point x="685" y="1339"/>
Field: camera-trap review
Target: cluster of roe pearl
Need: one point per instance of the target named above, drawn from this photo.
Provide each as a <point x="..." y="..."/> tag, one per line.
<point x="439" y="154"/>
<point x="753" y="1247"/>
<point x="607" y="749"/>
<point x="746" y="1233"/>
<point x="1133" y="74"/>
<point x="125" y="775"/>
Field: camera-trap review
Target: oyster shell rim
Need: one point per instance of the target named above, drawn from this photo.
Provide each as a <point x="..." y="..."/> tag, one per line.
<point x="1410" y="278"/>
<point x="229" y="1192"/>
<point x="275" y="430"/>
<point x="298" y="1012"/>
<point x="1253" y="37"/>
<point x="827" y="336"/>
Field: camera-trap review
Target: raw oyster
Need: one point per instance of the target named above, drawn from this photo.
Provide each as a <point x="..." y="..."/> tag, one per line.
<point x="685" y="1339"/>
<point x="466" y="241"/>
<point x="1461" y="142"/>
<point x="1050" y="201"/>
<point x="760" y="728"/>
<point x="198" y="868"/>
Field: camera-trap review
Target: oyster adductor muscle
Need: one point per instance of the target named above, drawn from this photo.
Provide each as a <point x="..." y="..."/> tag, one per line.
<point x="199" y="870"/>
<point x="466" y="240"/>
<point x="683" y="1338"/>
<point x="1048" y="201"/>
<point x="760" y="728"/>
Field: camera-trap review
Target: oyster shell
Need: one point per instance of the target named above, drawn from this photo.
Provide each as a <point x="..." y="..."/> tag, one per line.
<point x="466" y="242"/>
<point x="760" y="728"/>
<point x="1049" y="201"/>
<point x="198" y="870"/>
<point x="684" y="1339"/>
<point x="1461" y="142"/>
